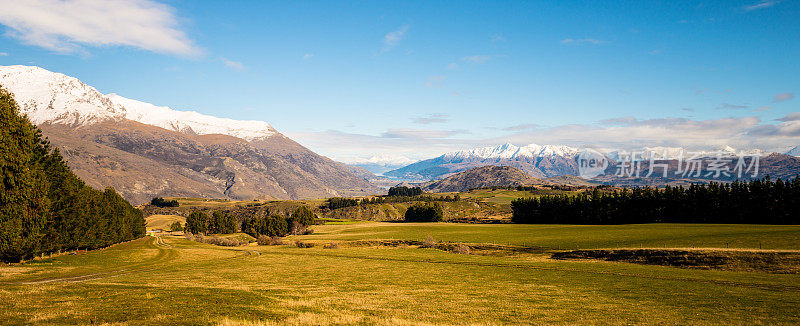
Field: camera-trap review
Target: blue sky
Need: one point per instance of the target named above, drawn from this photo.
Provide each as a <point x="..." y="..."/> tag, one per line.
<point x="411" y="79"/>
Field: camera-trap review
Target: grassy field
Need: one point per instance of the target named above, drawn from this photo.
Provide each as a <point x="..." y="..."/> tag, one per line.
<point x="163" y="222"/>
<point x="170" y="280"/>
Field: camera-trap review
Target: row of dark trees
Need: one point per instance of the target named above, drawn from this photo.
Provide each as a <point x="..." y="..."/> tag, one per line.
<point x="161" y="202"/>
<point x="758" y="201"/>
<point x="405" y="191"/>
<point x="339" y="202"/>
<point x="277" y="226"/>
<point x="44" y="207"/>
<point x="220" y="222"/>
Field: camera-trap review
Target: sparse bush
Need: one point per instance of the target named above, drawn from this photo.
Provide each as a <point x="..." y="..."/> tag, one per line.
<point x="429" y="242"/>
<point x="331" y="245"/>
<point x="462" y="249"/>
<point x="307" y="231"/>
<point x="264" y="240"/>
<point x="301" y="244"/>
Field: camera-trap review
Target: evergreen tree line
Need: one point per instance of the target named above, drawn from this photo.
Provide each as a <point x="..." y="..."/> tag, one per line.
<point x="273" y="225"/>
<point x="44" y="207"/>
<point x="757" y="201"/>
<point x="161" y="202"/>
<point x="198" y="222"/>
<point x="338" y="202"/>
<point x="405" y="191"/>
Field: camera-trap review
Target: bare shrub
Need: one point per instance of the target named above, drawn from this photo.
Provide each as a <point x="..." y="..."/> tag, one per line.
<point x="331" y="245"/>
<point x="462" y="249"/>
<point x="307" y="231"/>
<point x="264" y="240"/>
<point x="429" y="242"/>
<point x="301" y="244"/>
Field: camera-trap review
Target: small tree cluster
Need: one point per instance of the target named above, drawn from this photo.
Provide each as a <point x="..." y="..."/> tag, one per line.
<point x="176" y="226"/>
<point x="405" y="191"/>
<point x="278" y="226"/>
<point x="161" y="202"/>
<point x="339" y="202"/>
<point x="198" y="222"/>
<point x="424" y="212"/>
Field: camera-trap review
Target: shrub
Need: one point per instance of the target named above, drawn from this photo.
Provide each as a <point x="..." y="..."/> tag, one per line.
<point x="424" y="212"/>
<point x="405" y="191"/>
<point x="331" y="245"/>
<point x="462" y="249"/>
<point x="176" y="226"/>
<point x="429" y="242"/>
<point x="264" y="240"/>
<point x="301" y="244"/>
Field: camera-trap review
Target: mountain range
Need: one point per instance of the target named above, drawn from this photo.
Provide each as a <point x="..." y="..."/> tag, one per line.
<point x="548" y="161"/>
<point x="144" y="150"/>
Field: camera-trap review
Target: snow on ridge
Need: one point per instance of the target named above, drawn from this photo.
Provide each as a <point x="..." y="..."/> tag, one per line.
<point x="510" y="151"/>
<point x="49" y="97"/>
<point x="794" y="151"/>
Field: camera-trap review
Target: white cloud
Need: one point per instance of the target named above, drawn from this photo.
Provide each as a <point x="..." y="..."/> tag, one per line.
<point x="393" y="38"/>
<point x="431" y="118"/>
<point x="65" y="26"/>
<point x="307" y="56"/>
<point x="581" y="41"/>
<point x="761" y="5"/>
<point x="235" y="65"/>
<point x="3" y="54"/>
<point x="452" y="66"/>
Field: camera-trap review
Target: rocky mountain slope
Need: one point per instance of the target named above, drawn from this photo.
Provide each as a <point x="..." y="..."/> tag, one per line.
<point x="143" y="150"/>
<point x="480" y="177"/>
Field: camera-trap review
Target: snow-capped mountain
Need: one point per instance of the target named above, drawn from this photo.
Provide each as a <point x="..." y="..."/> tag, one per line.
<point x="794" y="151"/>
<point x="509" y="151"/>
<point x="379" y="164"/>
<point x="143" y="150"/>
<point x="49" y="97"/>
<point x="537" y="160"/>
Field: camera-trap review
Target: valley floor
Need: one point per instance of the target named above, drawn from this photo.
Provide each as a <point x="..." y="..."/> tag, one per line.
<point x="170" y="280"/>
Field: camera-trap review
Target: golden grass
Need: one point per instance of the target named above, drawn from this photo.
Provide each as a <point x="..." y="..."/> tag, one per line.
<point x="163" y="222"/>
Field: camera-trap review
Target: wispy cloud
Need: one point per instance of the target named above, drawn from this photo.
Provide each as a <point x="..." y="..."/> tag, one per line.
<point x="761" y="5"/>
<point x="522" y="127"/>
<point x="726" y="106"/>
<point x="66" y="26"/>
<point x="435" y="81"/>
<point x="763" y="108"/>
<point x="3" y="54"/>
<point x="688" y="109"/>
<point x="482" y="58"/>
<point x="431" y="118"/>
<point x="783" y="97"/>
<point x="582" y="41"/>
<point x="790" y="117"/>
<point x="421" y="133"/>
<point x="452" y="66"/>
<point x="498" y="38"/>
<point x="307" y="56"/>
<point x="235" y="65"/>
<point x="391" y="39"/>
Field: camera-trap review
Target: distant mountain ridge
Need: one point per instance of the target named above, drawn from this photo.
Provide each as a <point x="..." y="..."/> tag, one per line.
<point x="143" y="150"/>
<point x="549" y="161"/>
<point x="482" y="177"/>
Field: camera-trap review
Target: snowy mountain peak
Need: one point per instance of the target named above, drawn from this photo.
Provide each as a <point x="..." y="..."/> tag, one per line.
<point x="510" y="151"/>
<point x="794" y="151"/>
<point x="49" y="97"/>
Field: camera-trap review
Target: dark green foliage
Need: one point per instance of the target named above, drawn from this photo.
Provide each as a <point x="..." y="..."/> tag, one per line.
<point x="424" y="212"/>
<point x="405" y="199"/>
<point x="161" y="202"/>
<point x="44" y="207"/>
<point x="197" y="222"/>
<point x="222" y="223"/>
<point x="757" y="201"/>
<point x="405" y="191"/>
<point x="271" y="226"/>
<point x="300" y="219"/>
<point x="176" y="226"/>
<point x="338" y="202"/>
